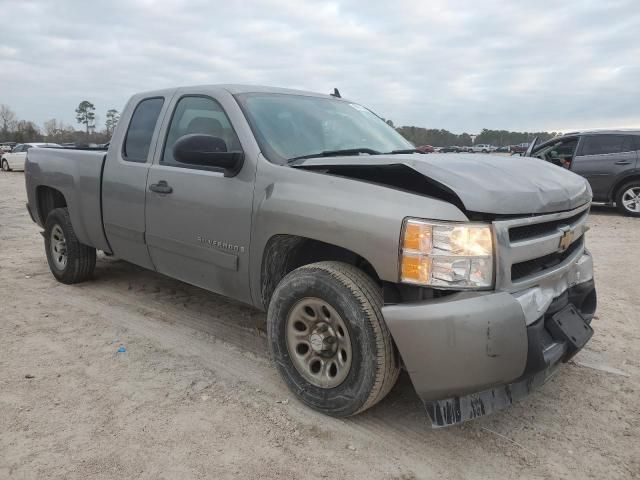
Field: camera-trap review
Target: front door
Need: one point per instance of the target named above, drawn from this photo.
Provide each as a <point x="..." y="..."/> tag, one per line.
<point x="198" y="220"/>
<point x="601" y="158"/>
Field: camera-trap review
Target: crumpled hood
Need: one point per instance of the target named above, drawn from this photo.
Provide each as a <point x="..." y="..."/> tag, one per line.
<point x="493" y="184"/>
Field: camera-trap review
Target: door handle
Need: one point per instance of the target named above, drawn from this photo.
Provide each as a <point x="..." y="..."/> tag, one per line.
<point x="623" y="162"/>
<point x="160" y="187"/>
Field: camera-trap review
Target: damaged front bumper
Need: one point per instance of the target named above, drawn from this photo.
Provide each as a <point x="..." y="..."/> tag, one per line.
<point x="469" y="354"/>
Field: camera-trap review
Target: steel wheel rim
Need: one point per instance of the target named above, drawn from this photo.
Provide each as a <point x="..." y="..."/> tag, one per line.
<point x="58" y="247"/>
<point x="318" y="343"/>
<point x="631" y="199"/>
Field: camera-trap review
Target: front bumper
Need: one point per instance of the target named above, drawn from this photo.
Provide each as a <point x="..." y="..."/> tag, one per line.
<point x="469" y="354"/>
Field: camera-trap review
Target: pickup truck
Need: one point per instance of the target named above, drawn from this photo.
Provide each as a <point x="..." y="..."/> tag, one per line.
<point x="519" y="149"/>
<point x="367" y="257"/>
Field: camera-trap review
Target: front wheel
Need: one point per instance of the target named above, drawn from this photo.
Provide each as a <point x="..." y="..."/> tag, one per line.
<point x="628" y="199"/>
<point x="329" y="340"/>
<point x="5" y="166"/>
<point x="69" y="260"/>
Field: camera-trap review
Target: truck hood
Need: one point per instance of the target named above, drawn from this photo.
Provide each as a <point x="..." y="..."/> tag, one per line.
<point x="489" y="184"/>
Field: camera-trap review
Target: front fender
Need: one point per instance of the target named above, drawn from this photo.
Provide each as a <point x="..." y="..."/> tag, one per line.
<point x="362" y="217"/>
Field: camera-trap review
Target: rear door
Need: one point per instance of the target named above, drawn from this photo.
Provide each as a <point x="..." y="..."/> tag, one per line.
<point x="125" y="177"/>
<point x="199" y="231"/>
<point x="602" y="158"/>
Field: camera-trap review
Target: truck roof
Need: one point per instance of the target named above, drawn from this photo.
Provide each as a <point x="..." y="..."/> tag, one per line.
<point x="238" y="89"/>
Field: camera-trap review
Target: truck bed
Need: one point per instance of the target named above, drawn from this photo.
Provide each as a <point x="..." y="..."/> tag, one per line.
<point x="77" y="175"/>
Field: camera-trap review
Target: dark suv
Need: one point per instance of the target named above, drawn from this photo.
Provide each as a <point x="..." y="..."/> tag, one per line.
<point x="607" y="159"/>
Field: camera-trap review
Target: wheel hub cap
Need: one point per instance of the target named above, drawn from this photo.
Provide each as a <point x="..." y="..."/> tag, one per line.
<point x="58" y="247"/>
<point x="318" y="343"/>
<point x="631" y="199"/>
<point x="323" y="339"/>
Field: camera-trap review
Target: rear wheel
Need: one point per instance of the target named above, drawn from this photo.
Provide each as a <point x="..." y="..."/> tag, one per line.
<point x="69" y="260"/>
<point x="328" y="338"/>
<point x="628" y="199"/>
<point x="5" y="166"/>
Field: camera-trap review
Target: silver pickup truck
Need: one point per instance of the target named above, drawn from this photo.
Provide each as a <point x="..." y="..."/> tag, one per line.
<point x="470" y="273"/>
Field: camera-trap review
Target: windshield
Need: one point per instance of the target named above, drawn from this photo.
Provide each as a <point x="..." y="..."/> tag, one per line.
<point x="290" y="126"/>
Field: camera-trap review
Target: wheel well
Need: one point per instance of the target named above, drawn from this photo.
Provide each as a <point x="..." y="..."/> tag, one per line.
<point x="48" y="198"/>
<point x="285" y="253"/>
<point x="621" y="182"/>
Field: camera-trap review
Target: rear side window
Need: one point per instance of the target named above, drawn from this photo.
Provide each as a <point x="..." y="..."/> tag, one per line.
<point x="605" y="144"/>
<point x="143" y="123"/>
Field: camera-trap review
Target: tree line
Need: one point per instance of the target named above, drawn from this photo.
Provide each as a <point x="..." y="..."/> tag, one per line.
<point x="16" y="130"/>
<point x="444" y="138"/>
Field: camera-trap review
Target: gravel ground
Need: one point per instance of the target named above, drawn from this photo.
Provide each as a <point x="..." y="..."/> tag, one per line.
<point x="194" y="395"/>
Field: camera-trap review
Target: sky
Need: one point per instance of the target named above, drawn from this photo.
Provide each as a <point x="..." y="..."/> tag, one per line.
<point x="459" y="65"/>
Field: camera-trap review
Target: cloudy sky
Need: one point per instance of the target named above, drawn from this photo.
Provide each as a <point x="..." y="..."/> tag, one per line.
<point x="460" y="65"/>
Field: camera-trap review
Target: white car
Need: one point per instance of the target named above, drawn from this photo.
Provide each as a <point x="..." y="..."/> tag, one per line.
<point x="483" y="147"/>
<point x="14" y="160"/>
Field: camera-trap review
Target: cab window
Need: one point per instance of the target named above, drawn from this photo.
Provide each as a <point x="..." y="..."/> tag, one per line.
<point x="203" y="115"/>
<point x="141" y="128"/>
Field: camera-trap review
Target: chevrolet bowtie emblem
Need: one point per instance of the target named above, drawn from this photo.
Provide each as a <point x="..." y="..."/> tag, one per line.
<point x="566" y="239"/>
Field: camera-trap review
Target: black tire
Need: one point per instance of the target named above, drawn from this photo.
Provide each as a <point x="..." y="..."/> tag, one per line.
<point x="80" y="259"/>
<point x="357" y="299"/>
<point x="635" y="184"/>
<point x="5" y="166"/>
<point x="485" y="151"/>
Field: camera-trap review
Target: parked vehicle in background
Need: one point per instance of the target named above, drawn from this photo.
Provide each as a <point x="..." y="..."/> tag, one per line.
<point x="519" y="149"/>
<point x="14" y="160"/>
<point x="483" y="148"/>
<point x="448" y="149"/>
<point x="454" y="148"/>
<point x="425" y="149"/>
<point x="366" y="258"/>
<point x="502" y="149"/>
<point x="6" y="147"/>
<point x="608" y="159"/>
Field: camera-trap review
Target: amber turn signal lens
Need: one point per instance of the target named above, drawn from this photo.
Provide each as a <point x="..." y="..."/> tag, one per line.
<point x="416" y="268"/>
<point x="417" y="236"/>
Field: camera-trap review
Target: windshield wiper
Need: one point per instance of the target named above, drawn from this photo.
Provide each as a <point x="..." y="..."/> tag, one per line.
<point x="335" y="153"/>
<point x="399" y="152"/>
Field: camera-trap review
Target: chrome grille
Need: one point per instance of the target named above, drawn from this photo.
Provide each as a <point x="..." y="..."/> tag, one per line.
<point x="533" y="230"/>
<point x="529" y="249"/>
<point x="530" y="267"/>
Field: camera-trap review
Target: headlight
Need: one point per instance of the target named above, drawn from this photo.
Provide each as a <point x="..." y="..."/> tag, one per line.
<point x="449" y="255"/>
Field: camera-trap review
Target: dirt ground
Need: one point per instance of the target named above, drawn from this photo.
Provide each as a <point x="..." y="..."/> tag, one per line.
<point x="194" y="395"/>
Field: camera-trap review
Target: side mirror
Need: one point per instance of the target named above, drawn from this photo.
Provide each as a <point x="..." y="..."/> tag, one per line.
<point x="207" y="151"/>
